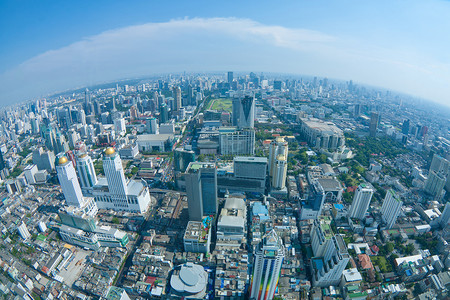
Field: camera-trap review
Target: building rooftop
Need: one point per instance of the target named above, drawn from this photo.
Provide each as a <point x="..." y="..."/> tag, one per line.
<point x="250" y="159"/>
<point x="153" y="137"/>
<point x="189" y="279"/>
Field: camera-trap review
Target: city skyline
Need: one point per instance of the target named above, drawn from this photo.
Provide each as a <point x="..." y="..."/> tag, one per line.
<point x="403" y="49"/>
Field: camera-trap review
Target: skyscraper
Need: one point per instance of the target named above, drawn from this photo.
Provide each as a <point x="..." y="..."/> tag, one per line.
<point x="277" y="147"/>
<point x="112" y="165"/>
<point x="279" y="172"/>
<point x="201" y="190"/>
<point x="230" y="77"/>
<point x="391" y="208"/>
<point x="177" y="97"/>
<point x="361" y="201"/>
<point x="269" y="256"/>
<point x="69" y="182"/>
<point x="182" y="158"/>
<point x="405" y="127"/>
<point x="243" y="112"/>
<point x="373" y="126"/>
<point x="86" y="171"/>
<point x="2" y="161"/>
<point x="163" y="113"/>
<point x="435" y="184"/>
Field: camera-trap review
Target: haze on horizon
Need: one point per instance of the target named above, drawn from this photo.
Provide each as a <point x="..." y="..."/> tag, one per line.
<point x="397" y="45"/>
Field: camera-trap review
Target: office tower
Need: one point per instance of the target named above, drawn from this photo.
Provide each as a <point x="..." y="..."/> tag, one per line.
<point x="243" y="112"/>
<point x="112" y="165"/>
<point x="69" y="182"/>
<point x="361" y="201"/>
<point x="230" y="77"/>
<point x="311" y="208"/>
<point x="247" y="112"/>
<point x="435" y="184"/>
<point x="279" y="172"/>
<point x="182" y="158"/>
<point x="163" y="113"/>
<point x="151" y="125"/>
<point x="357" y="111"/>
<point x="237" y="142"/>
<point x="391" y="208"/>
<point x="23" y="231"/>
<point x="44" y="160"/>
<point x="201" y="190"/>
<point x="277" y="85"/>
<point x="2" y="161"/>
<point x="405" y="127"/>
<point x="373" y="126"/>
<point x="445" y="216"/>
<point x="440" y="165"/>
<point x="177" y="98"/>
<point x="269" y="256"/>
<point x="330" y="255"/>
<point x="277" y="147"/>
<point x="86" y="171"/>
<point x="87" y="102"/>
<point x="119" y="126"/>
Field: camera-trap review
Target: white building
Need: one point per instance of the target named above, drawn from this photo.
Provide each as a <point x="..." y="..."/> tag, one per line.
<point x="277" y="147"/>
<point x="321" y="134"/>
<point x="86" y="171"/>
<point x="69" y="182"/>
<point x="112" y="165"/>
<point x="120" y="126"/>
<point x="23" y="231"/>
<point x="361" y="201"/>
<point x="232" y="224"/>
<point x="279" y="172"/>
<point x="391" y="208"/>
<point x="269" y="256"/>
<point x="29" y="173"/>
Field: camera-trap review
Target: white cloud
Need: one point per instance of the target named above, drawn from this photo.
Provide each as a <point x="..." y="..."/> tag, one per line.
<point x="217" y="44"/>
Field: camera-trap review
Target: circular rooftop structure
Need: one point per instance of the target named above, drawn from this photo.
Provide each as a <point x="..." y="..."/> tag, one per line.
<point x="110" y="151"/>
<point x="62" y="160"/>
<point x="190" y="279"/>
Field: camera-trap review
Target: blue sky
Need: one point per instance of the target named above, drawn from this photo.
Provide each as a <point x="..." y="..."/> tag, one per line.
<point x="49" y="46"/>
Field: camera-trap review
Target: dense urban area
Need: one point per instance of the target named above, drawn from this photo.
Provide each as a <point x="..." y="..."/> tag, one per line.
<point x="225" y="186"/>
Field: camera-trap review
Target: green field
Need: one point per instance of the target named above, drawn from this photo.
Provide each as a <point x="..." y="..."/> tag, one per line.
<point x="221" y="105"/>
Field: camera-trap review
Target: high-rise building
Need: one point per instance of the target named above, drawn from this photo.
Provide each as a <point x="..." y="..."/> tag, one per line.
<point x="269" y="256"/>
<point x="440" y="165"/>
<point x="177" y="98"/>
<point x="119" y="126"/>
<point x="163" y="113"/>
<point x="237" y="142"/>
<point x="373" y="126"/>
<point x="330" y="255"/>
<point x="277" y="85"/>
<point x="201" y="190"/>
<point x="230" y="77"/>
<point x="279" y="172"/>
<point x="391" y="208"/>
<point x="357" y="111"/>
<point x="112" y="165"/>
<point x="277" y="147"/>
<point x="361" y="201"/>
<point x="151" y="125"/>
<point x="405" y="127"/>
<point x="445" y="216"/>
<point x="69" y="182"/>
<point x="249" y="167"/>
<point x="435" y="184"/>
<point x="243" y="111"/>
<point x="23" y="231"/>
<point x="182" y="158"/>
<point x="2" y="161"/>
<point x="86" y="171"/>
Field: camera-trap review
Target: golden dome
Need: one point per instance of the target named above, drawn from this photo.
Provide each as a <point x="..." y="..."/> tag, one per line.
<point x="110" y="151"/>
<point x="62" y="160"/>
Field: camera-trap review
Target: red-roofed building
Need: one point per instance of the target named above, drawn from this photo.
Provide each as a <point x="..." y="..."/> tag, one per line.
<point x="364" y="262"/>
